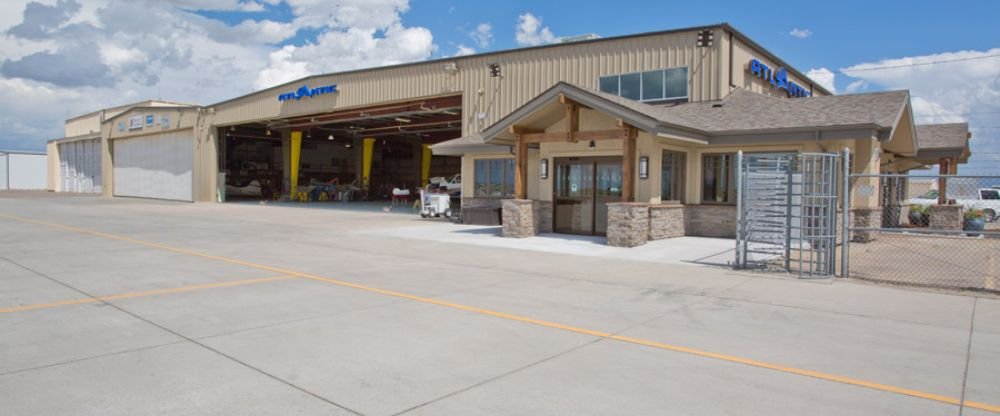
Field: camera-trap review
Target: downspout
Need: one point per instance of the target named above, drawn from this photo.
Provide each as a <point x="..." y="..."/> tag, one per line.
<point x="731" y="85"/>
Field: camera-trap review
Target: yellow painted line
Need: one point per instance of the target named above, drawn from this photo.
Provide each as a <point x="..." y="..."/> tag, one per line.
<point x="142" y="294"/>
<point x="621" y="338"/>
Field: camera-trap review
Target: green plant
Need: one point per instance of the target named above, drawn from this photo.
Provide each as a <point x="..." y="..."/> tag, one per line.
<point x="918" y="209"/>
<point x="972" y="213"/>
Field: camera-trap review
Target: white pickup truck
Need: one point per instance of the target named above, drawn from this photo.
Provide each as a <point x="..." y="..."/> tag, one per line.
<point x="988" y="200"/>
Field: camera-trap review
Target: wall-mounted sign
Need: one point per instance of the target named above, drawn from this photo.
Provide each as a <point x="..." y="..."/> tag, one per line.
<point x="778" y="78"/>
<point x="135" y="122"/>
<point x="164" y="121"/>
<point x="121" y="126"/>
<point x="150" y="119"/>
<point x="304" y="91"/>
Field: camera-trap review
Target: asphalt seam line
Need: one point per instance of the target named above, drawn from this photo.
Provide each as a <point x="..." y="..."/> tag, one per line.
<point x="637" y="341"/>
<point x="189" y="339"/>
<point x="153" y="292"/>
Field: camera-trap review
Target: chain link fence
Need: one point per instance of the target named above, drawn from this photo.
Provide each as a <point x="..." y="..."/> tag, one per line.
<point x="929" y="231"/>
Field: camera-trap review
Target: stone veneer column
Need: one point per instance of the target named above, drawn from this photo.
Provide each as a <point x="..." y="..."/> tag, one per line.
<point x="945" y="217"/>
<point x="519" y="218"/>
<point x="543" y="216"/>
<point x="865" y="218"/>
<point x="666" y="221"/>
<point x="628" y="224"/>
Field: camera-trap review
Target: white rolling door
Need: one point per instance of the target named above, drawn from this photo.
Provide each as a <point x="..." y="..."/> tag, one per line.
<point x="3" y="171"/>
<point x="157" y="166"/>
<point x="80" y="166"/>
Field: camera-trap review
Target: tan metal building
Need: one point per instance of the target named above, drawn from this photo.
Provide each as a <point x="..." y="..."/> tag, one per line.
<point x="677" y="101"/>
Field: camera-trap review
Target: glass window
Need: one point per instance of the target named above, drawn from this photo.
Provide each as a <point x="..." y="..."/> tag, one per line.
<point x="609" y="84"/>
<point x="672" y="176"/>
<point x="631" y="86"/>
<point x="676" y="83"/>
<point x="652" y="85"/>
<point x="989" y="194"/>
<point x="494" y="178"/>
<point x="717" y="179"/>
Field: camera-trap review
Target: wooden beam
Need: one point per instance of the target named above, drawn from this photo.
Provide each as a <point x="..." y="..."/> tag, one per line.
<point x="572" y="122"/>
<point x="628" y="165"/>
<point x="943" y="169"/>
<point x="521" y="168"/>
<point x="610" y="134"/>
<point x="518" y="130"/>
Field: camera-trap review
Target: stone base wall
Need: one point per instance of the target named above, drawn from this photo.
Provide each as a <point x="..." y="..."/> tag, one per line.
<point x="710" y="220"/>
<point x="628" y="224"/>
<point x="945" y="217"/>
<point x="481" y="203"/>
<point x="865" y="218"/>
<point x="543" y="216"/>
<point x="666" y="221"/>
<point x="519" y="218"/>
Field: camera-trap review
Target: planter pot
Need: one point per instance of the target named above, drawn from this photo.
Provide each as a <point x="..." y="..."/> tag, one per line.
<point x="974" y="225"/>
<point x="919" y="219"/>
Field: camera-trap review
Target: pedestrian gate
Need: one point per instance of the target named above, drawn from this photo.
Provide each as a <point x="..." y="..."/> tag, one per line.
<point x="787" y="212"/>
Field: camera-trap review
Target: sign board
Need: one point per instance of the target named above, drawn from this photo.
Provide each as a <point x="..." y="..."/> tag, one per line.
<point x="778" y="78"/>
<point x="121" y="126"/>
<point x="306" y="92"/>
<point x="164" y="121"/>
<point x="150" y="119"/>
<point x="135" y="122"/>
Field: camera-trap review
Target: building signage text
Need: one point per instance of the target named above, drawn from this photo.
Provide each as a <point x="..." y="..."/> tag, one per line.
<point x="778" y="78"/>
<point x="304" y="91"/>
<point x="135" y="122"/>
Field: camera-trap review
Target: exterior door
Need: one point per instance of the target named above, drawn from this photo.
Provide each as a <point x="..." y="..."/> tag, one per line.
<point x="583" y="188"/>
<point x="158" y="166"/>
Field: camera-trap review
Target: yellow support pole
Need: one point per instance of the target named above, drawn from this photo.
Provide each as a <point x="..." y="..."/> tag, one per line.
<point x="368" y="148"/>
<point x="296" y="144"/>
<point x="425" y="165"/>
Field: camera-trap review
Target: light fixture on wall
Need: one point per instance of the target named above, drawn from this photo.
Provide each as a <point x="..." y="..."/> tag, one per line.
<point x="543" y="170"/>
<point x="348" y="145"/>
<point x="643" y="167"/>
<point x="592" y="145"/>
<point x="268" y="132"/>
<point x="330" y="138"/>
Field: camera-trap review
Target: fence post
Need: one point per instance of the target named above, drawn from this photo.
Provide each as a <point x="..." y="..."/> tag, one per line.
<point x="845" y="230"/>
<point x="738" y="186"/>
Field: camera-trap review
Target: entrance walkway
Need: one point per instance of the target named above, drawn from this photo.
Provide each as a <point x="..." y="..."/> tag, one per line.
<point x="690" y="250"/>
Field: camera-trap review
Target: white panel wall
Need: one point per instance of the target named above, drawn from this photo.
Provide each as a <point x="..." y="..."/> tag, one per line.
<point x="157" y="166"/>
<point x="26" y="171"/>
<point x="80" y="166"/>
<point x="3" y="171"/>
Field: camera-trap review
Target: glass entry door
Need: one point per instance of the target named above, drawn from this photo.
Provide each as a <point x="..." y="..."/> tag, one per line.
<point x="583" y="188"/>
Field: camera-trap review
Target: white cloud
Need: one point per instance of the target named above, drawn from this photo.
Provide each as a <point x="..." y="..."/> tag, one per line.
<point x="464" y="50"/>
<point x="529" y="31"/>
<point x="482" y="35"/>
<point x="824" y="77"/>
<point x="801" y="33"/>
<point x="856" y="86"/>
<point x="75" y="56"/>
<point x="946" y="92"/>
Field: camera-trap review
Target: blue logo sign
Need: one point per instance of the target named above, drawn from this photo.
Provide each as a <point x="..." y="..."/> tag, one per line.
<point x="779" y="79"/>
<point x="150" y="119"/>
<point x="121" y="126"/>
<point x="304" y="91"/>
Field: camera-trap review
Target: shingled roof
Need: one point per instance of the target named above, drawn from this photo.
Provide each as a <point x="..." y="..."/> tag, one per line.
<point x="942" y="136"/>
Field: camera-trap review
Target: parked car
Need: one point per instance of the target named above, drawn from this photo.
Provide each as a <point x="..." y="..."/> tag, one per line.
<point x="986" y="199"/>
<point x="453" y="184"/>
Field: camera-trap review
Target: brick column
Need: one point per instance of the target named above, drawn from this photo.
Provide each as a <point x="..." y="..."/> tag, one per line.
<point x="865" y="218"/>
<point x="628" y="224"/>
<point x="519" y="219"/>
<point x="666" y="221"/>
<point x="945" y="217"/>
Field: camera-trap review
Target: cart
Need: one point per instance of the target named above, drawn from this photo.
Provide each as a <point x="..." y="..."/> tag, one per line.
<point x="434" y="205"/>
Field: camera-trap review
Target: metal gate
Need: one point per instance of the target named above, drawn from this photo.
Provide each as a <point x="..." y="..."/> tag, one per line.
<point x="787" y="212"/>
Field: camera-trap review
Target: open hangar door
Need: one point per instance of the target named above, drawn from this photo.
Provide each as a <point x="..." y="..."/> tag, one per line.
<point x="334" y="149"/>
<point x="157" y="166"/>
<point x="80" y="166"/>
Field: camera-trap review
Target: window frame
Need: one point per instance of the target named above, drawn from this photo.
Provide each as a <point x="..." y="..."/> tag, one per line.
<point x="663" y="72"/>
<point x="730" y="173"/>
<point x="679" y="183"/>
<point x="506" y="190"/>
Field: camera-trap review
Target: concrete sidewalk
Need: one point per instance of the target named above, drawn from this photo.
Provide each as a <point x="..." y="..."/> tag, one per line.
<point x="143" y="307"/>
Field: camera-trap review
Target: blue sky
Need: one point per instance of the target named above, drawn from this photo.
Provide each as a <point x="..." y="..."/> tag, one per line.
<point x="203" y="51"/>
